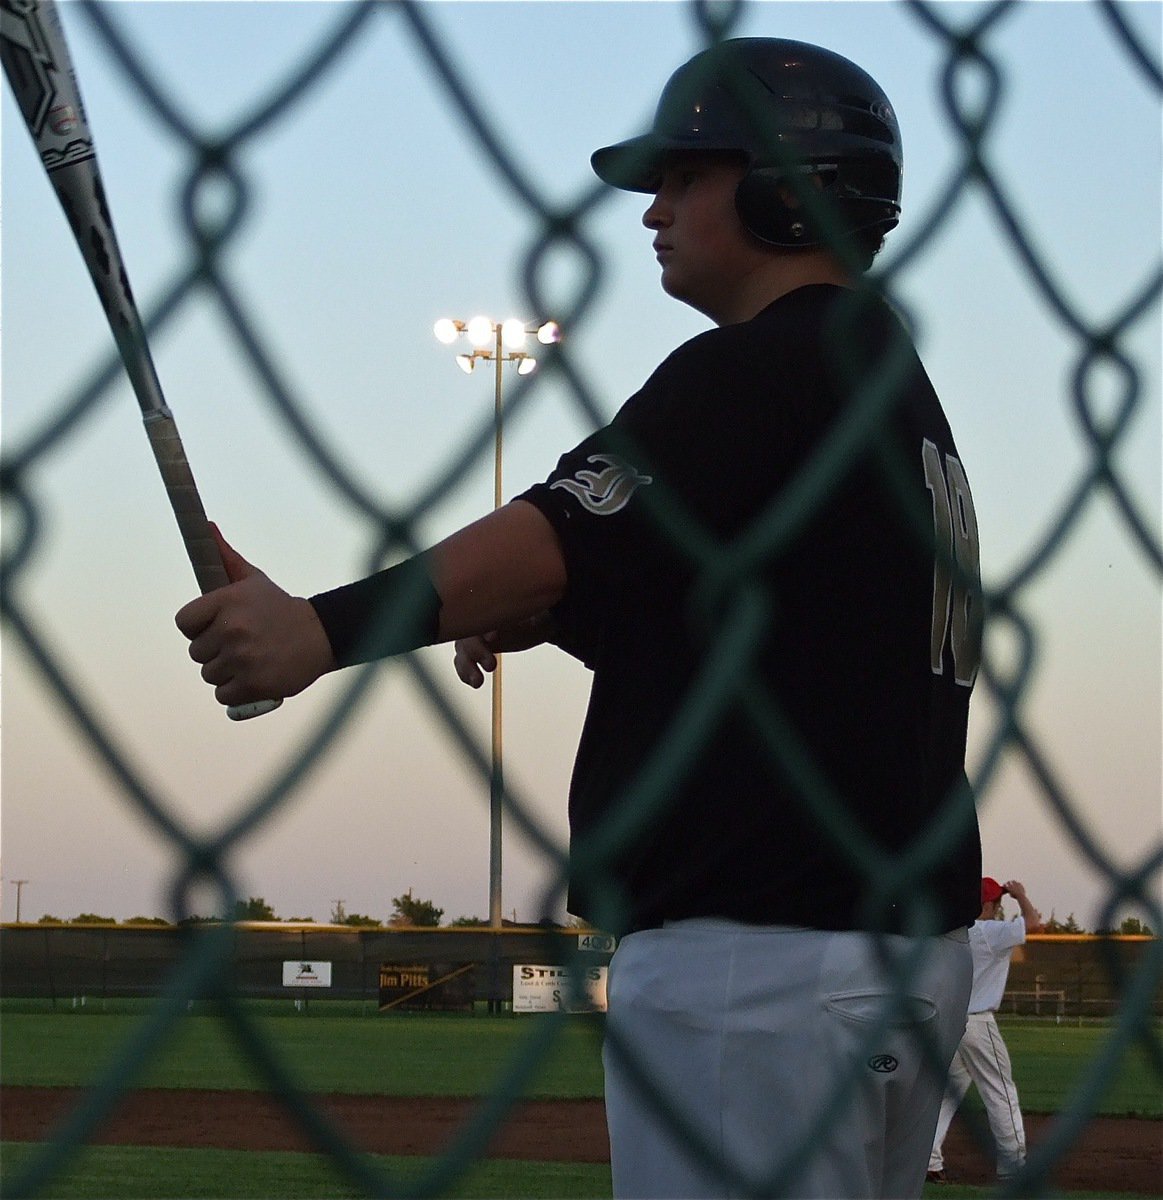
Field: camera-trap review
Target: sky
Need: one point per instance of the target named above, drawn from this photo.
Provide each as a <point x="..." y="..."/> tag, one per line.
<point x="371" y="211"/>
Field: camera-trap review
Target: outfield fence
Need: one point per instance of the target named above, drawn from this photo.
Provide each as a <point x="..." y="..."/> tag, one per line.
<point x="456" y="967"/>
<point x="1065" y="978"/>
<point x="184" y="969"/>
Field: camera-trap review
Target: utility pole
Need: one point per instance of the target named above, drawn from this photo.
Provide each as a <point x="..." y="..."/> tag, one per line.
<point x="19" y="885"/>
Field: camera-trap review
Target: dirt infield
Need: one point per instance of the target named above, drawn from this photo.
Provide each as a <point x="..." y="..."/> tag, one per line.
<point x="1113" y="1155"/>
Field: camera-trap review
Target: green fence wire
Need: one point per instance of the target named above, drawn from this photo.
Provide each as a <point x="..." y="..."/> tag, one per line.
<point x="215" y="162"/>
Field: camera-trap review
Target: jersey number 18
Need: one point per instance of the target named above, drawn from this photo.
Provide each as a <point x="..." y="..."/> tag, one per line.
<point x="956" y="581"/>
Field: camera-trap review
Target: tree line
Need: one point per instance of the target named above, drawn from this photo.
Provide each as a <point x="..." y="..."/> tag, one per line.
<point x="1128" y="927"/>
<point x="408" y="911"/>
<point x="412" y="912"/>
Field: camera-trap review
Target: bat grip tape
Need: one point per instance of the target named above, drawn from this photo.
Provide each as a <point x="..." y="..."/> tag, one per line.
<point x="170" y="455"/>
<point x="205" y="558"/>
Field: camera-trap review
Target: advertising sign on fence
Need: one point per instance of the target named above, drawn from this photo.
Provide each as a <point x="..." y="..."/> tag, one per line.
<point x="299" y="974"/>
<point x="426" y="985"/>
<point x="539" y="988"/>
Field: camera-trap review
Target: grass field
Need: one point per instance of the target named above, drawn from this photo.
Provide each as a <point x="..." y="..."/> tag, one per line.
<point x="147" y="1173"/>
<point x="412" y="1054"/>
<point x="422" y="1055"/>
<point x="403" y="1055"/>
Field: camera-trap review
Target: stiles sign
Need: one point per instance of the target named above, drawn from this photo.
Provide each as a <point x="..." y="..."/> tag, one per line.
<point x="541" y="988"/>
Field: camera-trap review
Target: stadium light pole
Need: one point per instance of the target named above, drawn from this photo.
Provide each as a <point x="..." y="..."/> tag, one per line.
<point x="498" y="342"/>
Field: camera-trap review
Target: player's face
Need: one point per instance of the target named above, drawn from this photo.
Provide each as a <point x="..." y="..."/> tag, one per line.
<point x="706" y="254"/>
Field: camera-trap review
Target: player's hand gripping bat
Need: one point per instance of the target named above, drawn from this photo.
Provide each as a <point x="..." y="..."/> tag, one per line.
<point x="39" y="69"/>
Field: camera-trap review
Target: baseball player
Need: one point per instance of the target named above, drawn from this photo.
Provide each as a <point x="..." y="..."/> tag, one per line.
<point x="982" y="1057"/>
<point x="782" y="661"/>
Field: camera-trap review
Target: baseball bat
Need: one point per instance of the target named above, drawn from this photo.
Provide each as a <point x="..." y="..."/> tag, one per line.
<point x="40" y="72"/>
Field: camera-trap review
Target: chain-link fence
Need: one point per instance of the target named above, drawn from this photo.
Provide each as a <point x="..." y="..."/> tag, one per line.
<point x="216" y="163"/>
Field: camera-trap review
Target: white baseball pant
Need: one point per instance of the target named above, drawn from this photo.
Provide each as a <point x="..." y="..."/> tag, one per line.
<point x="982" y="1058"/>
<point x="777" y="1045"/>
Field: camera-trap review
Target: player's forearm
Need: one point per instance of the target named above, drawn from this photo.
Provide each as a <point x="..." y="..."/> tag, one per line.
<point x="500" y="573"/>
<point x="524" y="635"/>
<point x="1031" y="916"/>
<point x="503" y="572"/>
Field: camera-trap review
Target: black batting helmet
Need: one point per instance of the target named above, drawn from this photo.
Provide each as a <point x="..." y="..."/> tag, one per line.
<point x="788" y="107"/>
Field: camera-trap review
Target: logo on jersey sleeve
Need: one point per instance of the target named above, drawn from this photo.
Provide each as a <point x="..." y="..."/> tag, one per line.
<point x="607" y="491"/>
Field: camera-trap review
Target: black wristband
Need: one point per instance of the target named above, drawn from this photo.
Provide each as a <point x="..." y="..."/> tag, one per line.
<point x="390" y="612"/>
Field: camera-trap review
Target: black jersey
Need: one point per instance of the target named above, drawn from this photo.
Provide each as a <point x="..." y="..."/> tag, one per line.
<point x="771" y="556"/>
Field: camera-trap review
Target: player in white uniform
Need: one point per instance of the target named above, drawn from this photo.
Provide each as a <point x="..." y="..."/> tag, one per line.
<point x="982" y="1057"/>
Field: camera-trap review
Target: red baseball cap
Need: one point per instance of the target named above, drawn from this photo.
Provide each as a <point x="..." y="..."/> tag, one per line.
<point x="991" y="891"/>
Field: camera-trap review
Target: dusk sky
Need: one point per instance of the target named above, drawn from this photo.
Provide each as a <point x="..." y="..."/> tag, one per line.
<point x="372" y="211"/>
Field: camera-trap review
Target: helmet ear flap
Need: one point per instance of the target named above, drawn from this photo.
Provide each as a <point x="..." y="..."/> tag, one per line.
<point x="765" y="213"/>
<point x="862" y="198"/>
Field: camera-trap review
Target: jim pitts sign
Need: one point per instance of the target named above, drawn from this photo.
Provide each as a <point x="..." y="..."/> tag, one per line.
<point x="551" y="989"/>
<point x="299" y="974"/>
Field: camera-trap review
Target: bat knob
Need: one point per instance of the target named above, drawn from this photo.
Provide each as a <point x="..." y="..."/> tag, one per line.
<point x="244" y="712"/>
